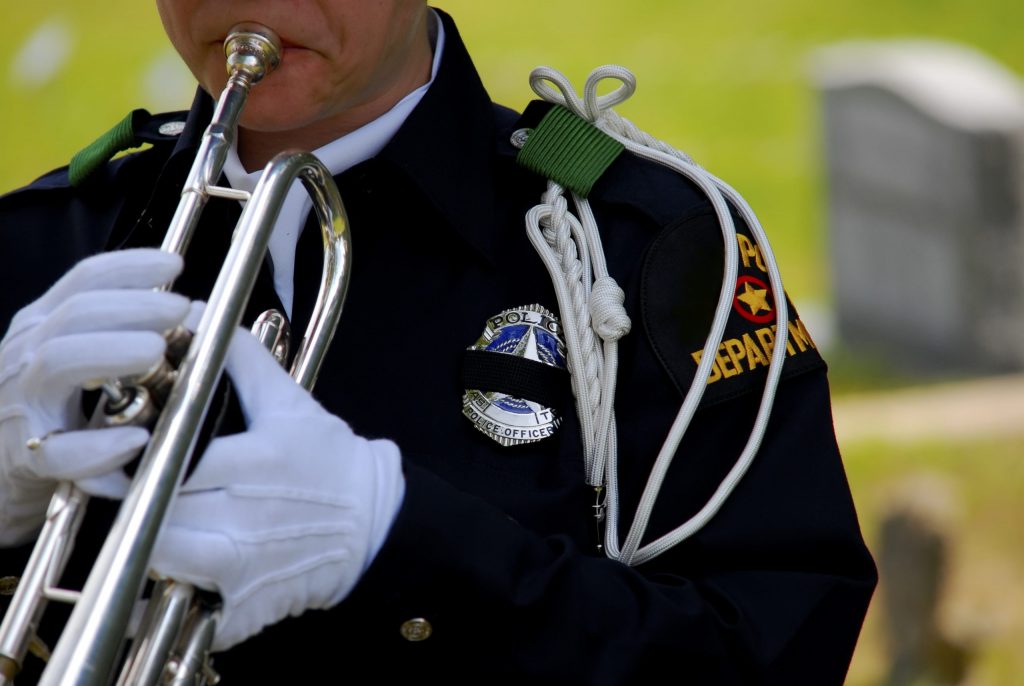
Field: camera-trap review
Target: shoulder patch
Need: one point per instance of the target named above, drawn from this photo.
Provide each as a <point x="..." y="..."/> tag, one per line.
<point x="681" y="281"/>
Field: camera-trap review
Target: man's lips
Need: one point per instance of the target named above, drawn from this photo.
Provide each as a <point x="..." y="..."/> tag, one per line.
<point x="285" y="42"/>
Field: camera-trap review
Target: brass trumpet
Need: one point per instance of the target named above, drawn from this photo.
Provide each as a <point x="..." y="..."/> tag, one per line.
<point x="90" y="648"/>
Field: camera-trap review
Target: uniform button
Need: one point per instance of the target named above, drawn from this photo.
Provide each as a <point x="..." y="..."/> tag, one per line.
<point x="8" y="585"/>
<point x="519" y="137"/>
<point x="417" y="629"/>
<point x="171" y="128"/>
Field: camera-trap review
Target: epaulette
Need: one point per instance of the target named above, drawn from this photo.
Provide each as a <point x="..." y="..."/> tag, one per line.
<point x="565" y="148"/>
<point x="136" y="129"/>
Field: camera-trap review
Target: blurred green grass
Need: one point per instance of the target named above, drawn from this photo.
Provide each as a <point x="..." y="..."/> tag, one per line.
<point x="726" y="81"/>
<point x="983" y="606"/>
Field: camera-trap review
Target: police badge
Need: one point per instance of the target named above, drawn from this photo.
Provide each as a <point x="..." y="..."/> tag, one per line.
<point x="515" y="375"/>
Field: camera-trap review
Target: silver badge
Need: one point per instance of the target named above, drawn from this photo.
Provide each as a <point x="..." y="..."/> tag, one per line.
<point x="532" y="332"/>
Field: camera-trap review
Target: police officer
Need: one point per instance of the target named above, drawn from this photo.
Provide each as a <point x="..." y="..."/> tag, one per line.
<point x="381" y="527"/>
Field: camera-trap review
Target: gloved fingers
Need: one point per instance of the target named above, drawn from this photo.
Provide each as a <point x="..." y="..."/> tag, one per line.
<point x="290" y="591"/>
<point x="294" y="452"/>
<point x="194" y="556"/>
<point x="116" y="310"/>
<point x="263" y="386"/>
<point x="64" y="364"/>
<point x="263" y="575"/>
<point x="77" y="455"/>
<point x="260" y="381"/>
<point x="112" y="485"/>
<point x="230" y="460"/>
<point x="268" y="518"/>
<point x="139" y="268"/>
<point x="195" y="313"/>
<point x="230" y="633"/>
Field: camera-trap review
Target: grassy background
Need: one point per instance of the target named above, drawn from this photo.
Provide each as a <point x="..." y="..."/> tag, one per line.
<point x="728" y="81"/>
<point x="983" y="607"/>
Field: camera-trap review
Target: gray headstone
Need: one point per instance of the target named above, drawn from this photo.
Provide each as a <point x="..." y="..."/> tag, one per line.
<point x="924" y="148"/>
<point x="913" y="556"/>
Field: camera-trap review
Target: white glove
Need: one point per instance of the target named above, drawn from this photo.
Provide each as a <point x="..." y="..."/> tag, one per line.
<point x="100" y="320"/>
<point x="286" y="516"/>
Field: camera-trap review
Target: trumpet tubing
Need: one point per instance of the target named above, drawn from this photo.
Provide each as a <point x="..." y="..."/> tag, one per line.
<point x="89" y="648"/>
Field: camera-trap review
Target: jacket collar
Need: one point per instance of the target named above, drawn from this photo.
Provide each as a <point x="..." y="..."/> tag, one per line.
<point x="199" y="116"/>
<point x="448" y="143"/>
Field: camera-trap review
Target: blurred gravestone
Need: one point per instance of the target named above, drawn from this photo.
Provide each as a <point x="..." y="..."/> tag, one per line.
<point x="913" y="557"/>
<point x="924" y="146"/>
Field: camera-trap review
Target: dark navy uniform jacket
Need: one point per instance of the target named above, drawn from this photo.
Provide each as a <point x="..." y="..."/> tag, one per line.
<point x="495" y="546"/>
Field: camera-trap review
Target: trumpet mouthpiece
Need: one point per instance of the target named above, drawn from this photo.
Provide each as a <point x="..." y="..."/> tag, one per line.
<point x="253" y="49"/>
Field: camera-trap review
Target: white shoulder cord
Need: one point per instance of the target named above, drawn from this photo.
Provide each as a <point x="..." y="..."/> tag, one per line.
<point x="571" y="250"/>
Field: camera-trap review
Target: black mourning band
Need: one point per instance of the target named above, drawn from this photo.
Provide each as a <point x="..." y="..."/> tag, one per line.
<point x="518" y="377"/>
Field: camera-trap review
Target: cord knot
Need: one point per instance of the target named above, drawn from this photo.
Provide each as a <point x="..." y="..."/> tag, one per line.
<point x="609" y="317"/>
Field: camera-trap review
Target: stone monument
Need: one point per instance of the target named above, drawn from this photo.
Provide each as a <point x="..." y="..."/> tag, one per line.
<point x="924" y="147"/>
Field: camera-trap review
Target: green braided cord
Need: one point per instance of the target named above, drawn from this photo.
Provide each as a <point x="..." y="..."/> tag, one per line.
<point x="90" y="158"/>
<point x="569" y="150"/>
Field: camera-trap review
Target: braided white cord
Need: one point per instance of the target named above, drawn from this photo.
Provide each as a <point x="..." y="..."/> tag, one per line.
<point x="609" y="319"/>
<point x="564" y="245"/>
<point x="597" y="109"/>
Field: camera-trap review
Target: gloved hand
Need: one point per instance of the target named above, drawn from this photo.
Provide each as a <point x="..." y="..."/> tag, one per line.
<point x="286" y="516"/>
<point x="100" y="320"/>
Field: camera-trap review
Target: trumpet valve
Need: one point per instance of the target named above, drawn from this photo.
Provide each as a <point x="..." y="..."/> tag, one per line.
<point x="272" y="330"/>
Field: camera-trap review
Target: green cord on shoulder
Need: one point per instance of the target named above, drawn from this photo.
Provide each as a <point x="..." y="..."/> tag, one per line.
<point x="569" y="150"/>
<point x="96" y="154"/>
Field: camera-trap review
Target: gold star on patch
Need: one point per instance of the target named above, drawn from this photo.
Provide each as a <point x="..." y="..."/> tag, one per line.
<point x="755" y="298"/>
